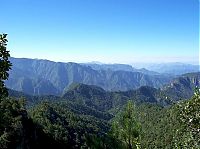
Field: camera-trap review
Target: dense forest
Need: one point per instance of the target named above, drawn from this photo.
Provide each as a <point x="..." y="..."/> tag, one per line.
<point x="89" y="117"/>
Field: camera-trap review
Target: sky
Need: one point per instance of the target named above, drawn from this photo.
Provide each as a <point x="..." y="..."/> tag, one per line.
<point x="109" y="31"/>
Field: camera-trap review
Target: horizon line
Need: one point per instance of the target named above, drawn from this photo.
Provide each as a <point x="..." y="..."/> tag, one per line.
<point x="101" y="62"/>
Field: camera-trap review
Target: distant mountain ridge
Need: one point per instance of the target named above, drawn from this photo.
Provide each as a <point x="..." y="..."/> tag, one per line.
<point x="119" y="67"/>
<point x="170" y="68"/>
<point x="43" y="77"/>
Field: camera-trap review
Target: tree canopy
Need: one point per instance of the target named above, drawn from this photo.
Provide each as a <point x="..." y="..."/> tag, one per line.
<point x="5" y="64"/>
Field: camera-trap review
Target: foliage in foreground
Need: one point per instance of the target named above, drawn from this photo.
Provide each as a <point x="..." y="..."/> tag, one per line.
<point x="188" y="135"/>
<point x="5" y="64"/>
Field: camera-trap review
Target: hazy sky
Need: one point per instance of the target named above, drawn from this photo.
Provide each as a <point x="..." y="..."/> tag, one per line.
<point x="111" y="31"/>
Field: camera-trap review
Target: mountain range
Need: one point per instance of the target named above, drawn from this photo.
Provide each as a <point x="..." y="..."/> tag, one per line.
<point x="180" y="88"/>
<point x="88" y="111"/>
<point x="95" y="97"/>
<point x="43" y="77"/>
<point x="64" y="110"/>
<point x="119" y="67"/>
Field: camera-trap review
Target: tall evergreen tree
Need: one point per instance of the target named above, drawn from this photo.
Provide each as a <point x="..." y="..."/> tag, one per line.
<point x="126" y="129"/>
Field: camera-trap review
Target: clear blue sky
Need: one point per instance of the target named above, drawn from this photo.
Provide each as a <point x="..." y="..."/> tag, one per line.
<point x="111" y="31"/>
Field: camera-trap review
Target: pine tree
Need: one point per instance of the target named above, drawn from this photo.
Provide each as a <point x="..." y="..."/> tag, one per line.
<point x="126" y="129"/>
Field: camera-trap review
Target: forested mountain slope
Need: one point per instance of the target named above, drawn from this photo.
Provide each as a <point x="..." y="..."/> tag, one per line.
<point x="182" y="87"/>
<point x="97" y="98"/>
<point x="83" y="117"/>
<point x="70" y="124"/>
